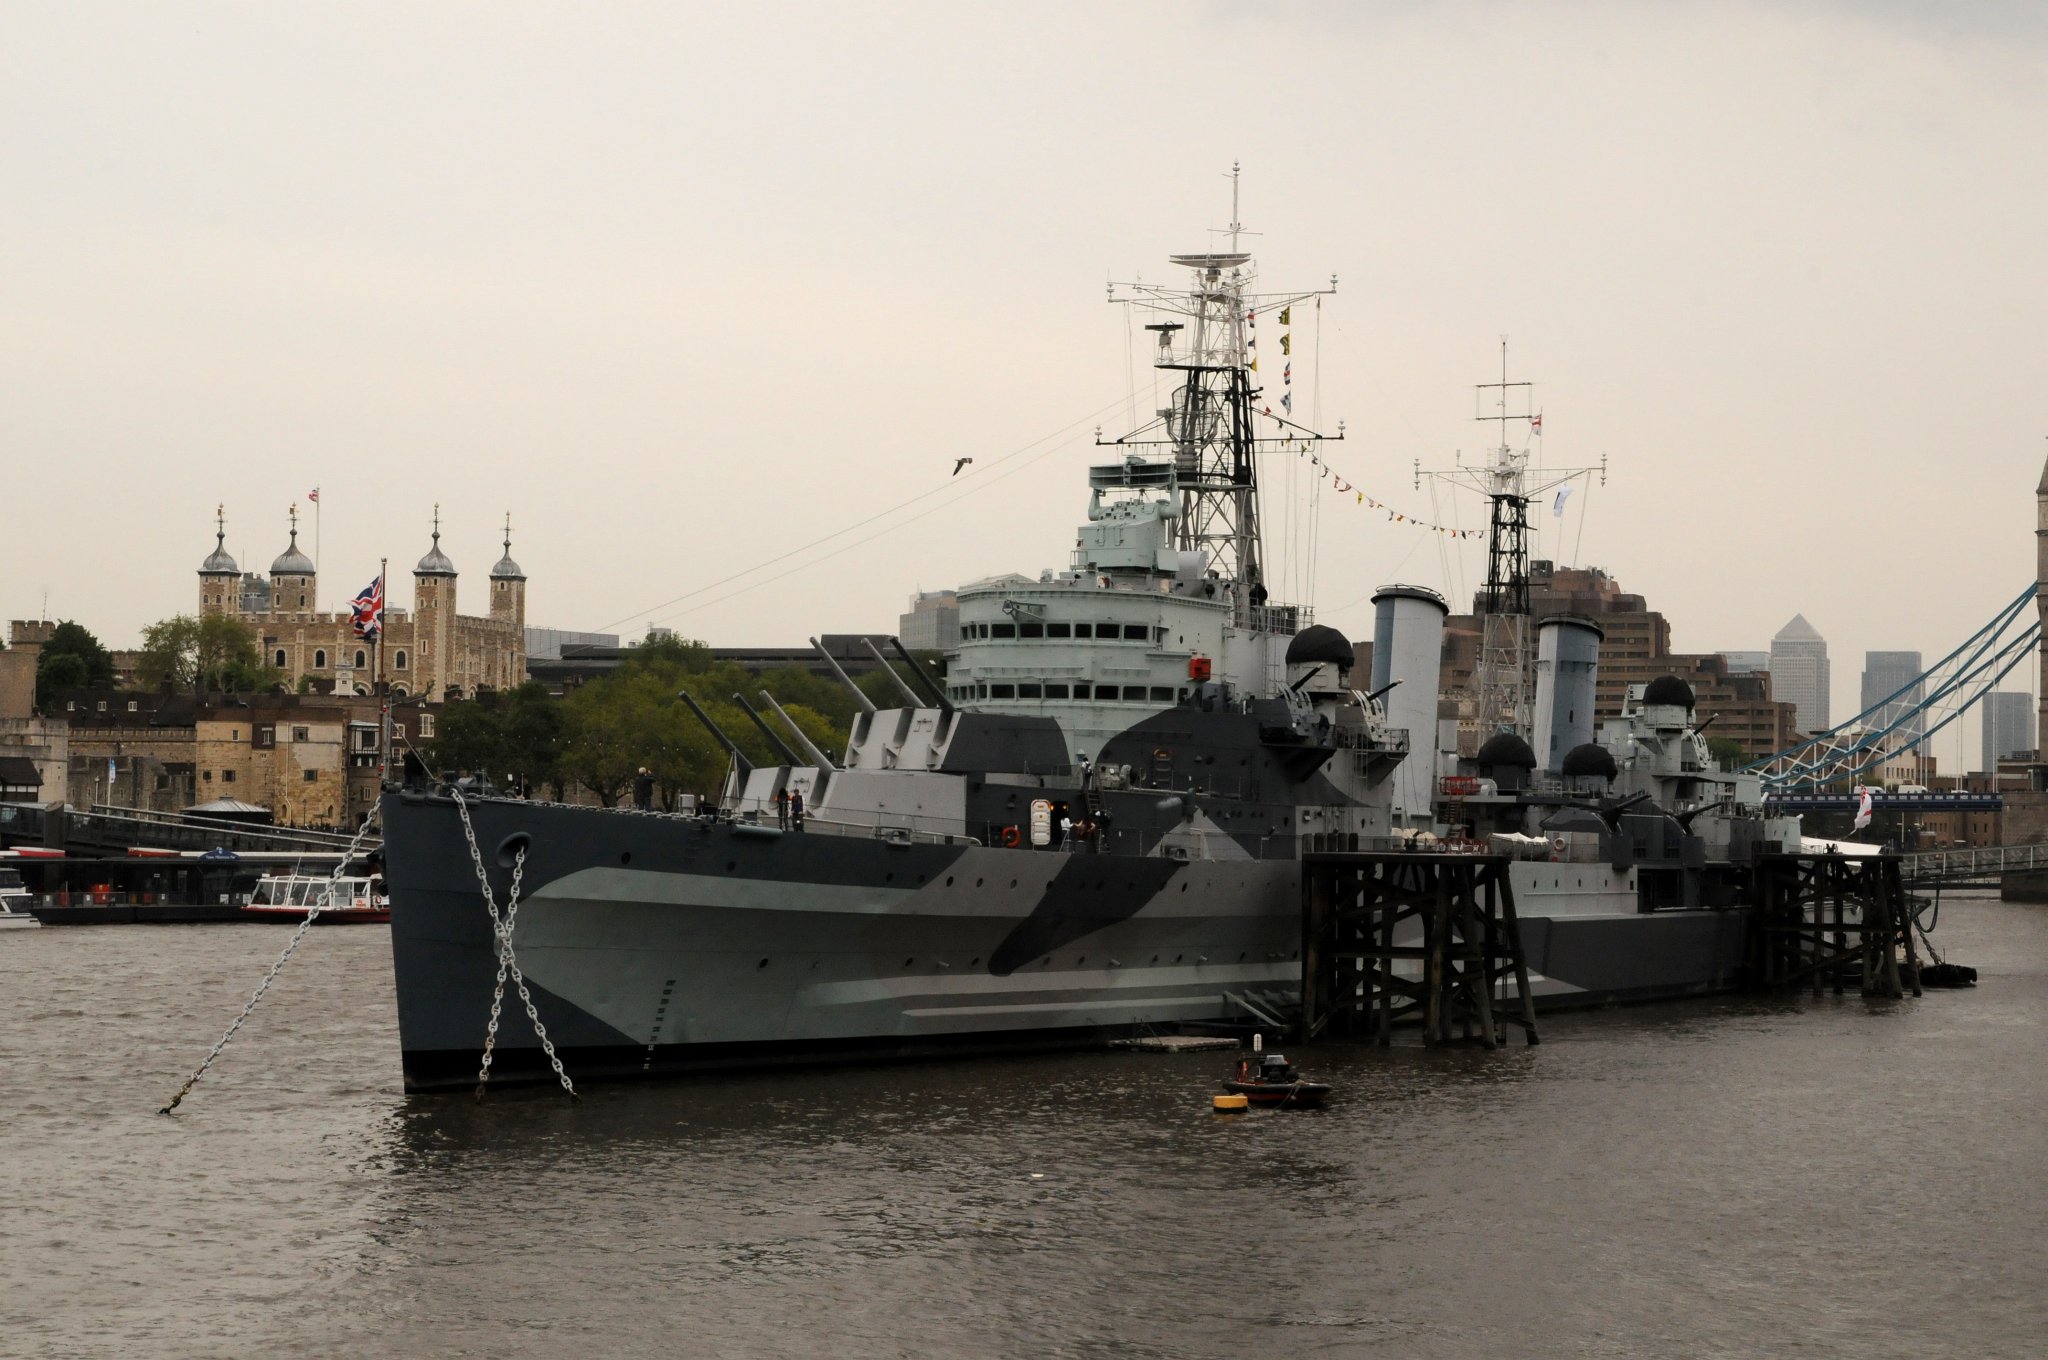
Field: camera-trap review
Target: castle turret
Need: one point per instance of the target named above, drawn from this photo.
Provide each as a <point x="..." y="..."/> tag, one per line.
<point x="220" y="579"/>
<point x="433" y="595"/>
<point x="293" y="583"/>
<point x="508" y="608"/>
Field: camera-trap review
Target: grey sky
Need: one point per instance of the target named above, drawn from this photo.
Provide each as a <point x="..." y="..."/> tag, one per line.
<point x="684" y="288"/>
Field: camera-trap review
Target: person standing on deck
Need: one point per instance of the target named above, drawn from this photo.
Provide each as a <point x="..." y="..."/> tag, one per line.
<point x="782" y="808"/>
<point x="796" y="809"/>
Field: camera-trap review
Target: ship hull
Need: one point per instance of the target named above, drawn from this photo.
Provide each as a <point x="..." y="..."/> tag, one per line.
<point x="655" y="945"/>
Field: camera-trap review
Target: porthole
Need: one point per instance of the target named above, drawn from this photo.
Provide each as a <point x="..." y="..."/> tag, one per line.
<point x="762" y="964"/>
<point x="977" y="883"/>
<point x="908" y="962"/>
<point x="625" y="856"/>
<point x="731" y="865"/>
<point x="1013" y="882"/>
<point x="974" y="962"/>
<point x="949" y="880"/>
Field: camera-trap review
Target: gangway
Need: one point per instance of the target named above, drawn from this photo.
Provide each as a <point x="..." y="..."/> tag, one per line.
<point x="1982" y="864"/>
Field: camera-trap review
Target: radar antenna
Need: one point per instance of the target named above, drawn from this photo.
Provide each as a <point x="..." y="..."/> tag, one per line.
<point x="1503" y="682"/>
<point x="1209" y="425"/>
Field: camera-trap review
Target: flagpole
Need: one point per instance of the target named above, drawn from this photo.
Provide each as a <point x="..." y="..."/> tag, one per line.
<point x="378" y="687"/>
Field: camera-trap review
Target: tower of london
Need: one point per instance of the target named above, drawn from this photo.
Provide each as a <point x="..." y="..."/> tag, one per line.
<point x="432" y="651"/>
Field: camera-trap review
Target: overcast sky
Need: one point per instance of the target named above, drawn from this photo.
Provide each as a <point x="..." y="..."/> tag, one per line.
<point x="688" y="288"/>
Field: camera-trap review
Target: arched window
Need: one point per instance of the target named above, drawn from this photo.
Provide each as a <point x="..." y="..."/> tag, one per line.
<point x="279" y="662"/>
<point x="399" y="691"/>
<point x="319" y="658"/>
<point x="362" y="658"/>
<point x="398" y="661"/>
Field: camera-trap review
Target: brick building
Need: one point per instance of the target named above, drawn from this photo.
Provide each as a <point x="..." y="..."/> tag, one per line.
<point x="1635" y="649"/>
<point x="311" y="760"/>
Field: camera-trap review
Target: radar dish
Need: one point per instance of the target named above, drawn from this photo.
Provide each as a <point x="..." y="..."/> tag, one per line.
<point x="1222" y="260"/>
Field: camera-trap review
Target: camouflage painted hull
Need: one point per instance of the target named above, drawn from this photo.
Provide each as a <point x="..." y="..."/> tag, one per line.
<point x="657" y="944"/>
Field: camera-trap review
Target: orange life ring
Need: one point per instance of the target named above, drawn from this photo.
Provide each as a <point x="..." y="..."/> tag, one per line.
<point x="1012" y="837"/>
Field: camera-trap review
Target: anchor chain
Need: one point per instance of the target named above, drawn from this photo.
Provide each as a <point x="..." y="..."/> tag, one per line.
<point x="502" y="930"/>
<point x="312" y="913"/>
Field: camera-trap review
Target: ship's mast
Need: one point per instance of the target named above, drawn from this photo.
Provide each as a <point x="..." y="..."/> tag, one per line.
<point x="1209" y="426"/>
<point x="1504" y="679"/>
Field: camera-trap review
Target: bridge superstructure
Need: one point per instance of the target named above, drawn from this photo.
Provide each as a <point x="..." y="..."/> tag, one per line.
<point x="1911" y="715"/>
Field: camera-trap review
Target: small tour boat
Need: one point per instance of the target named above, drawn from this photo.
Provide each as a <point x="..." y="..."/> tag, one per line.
<point x="1274" y="1082"/>
<point x="342" y="901"/>
<point x="14" y="900"/>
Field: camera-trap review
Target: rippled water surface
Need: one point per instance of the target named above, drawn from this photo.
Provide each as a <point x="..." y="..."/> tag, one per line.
<point x="1729" y="1178"/>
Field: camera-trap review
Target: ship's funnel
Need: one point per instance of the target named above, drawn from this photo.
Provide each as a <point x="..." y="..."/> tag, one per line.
<point x="1567" y="669"/>
<point x="1407" y="645"/>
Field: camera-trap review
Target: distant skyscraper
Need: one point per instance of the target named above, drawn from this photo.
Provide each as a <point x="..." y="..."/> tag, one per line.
<point x="1799" y="673"/>
<point x="2008" y="726"/>
<point x="1746" y="663"/>
<point x="1886" y="673"/>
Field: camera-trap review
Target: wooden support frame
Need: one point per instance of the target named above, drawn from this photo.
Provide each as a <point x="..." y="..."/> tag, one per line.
<point x="1822" y="919"/>
<point x="1396" y="938"/>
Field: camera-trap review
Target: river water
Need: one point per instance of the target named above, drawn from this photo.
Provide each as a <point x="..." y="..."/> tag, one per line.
<point x="1736" y="1177"/>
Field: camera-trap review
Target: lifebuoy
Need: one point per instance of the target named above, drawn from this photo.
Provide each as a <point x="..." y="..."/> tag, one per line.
<point x="1012" y="837"/>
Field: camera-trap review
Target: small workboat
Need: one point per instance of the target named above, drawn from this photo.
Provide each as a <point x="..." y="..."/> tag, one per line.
<point x="1274" y="1082"/>
<point x="289" y="897"/>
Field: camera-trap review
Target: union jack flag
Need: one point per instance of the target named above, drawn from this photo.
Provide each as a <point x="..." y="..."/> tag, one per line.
<point x="367" y="610"/>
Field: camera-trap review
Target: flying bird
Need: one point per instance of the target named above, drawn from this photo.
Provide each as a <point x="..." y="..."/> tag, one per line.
<point x="959" y="463"/>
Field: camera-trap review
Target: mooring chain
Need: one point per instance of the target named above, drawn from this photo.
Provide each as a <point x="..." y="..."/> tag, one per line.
<point x="502" y="930"/>
<point x="313" y="910"/>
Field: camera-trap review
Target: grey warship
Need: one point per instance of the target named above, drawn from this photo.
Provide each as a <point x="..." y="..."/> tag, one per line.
<point x="1095" y="825"/>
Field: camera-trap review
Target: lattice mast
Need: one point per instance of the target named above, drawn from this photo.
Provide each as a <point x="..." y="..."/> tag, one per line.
<point x="1209" y="425"/>
<point x="1505" y="677"/>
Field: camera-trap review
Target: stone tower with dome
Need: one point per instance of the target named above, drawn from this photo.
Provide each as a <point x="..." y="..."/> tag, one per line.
<point x="433" y="651"/>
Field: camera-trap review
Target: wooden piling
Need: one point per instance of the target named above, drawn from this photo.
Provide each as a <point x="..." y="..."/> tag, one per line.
<point x="1823" y="918"/>
<point x="1390" y="938"/>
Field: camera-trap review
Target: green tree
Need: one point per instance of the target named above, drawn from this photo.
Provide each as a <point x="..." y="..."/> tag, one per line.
<point x="214" y="652"/>
<point x="603" y="739"/>
<point x="469" y="738"/>
<point x="1727" y="752"/>
<point x="54" y="676"/>
<point x="534" y="732"/>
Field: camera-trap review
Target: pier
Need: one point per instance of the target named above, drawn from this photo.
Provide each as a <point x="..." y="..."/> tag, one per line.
<point x="1394" y="938"/>
<point x="1822" y="919"/>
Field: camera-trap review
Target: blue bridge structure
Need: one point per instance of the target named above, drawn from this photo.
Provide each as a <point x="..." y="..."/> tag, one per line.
<point x="1907" y="718"/>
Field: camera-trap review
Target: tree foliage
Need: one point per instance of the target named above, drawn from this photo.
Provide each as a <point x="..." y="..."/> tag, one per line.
<point x="605" y="731"/>
<point x="56" y="672"/>
<point x="1727" y="752"/>
<point x="516" y="739"/>
<point x="209" y="653"/>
